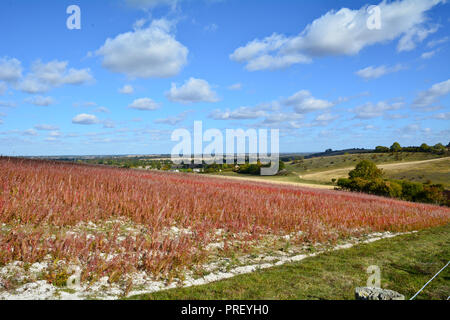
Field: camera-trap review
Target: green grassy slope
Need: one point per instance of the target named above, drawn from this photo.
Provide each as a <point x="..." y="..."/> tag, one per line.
<point x="407" y="262"/>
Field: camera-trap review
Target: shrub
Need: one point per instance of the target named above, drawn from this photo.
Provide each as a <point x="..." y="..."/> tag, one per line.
<point x="411" y="190"/>
<point x="366" y="170"/>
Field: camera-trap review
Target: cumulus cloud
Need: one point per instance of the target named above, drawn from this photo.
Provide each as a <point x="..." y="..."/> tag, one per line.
<point x="126" y="89"/>
<point x="432" y="95"/>
<point x="304" y="102"/>
<point x="45" y="76"/>
<point x="193" y="90"/>
<point x="371" y="110"/>
<point x="144" y="104"/>
<point x="40" y="101"/>
<point x="85" y="119"/>
<point x="151" y="52"/>
<point x="342" y="32"/>
<point x="10" y="69"/>
<point x="376" y="72"/>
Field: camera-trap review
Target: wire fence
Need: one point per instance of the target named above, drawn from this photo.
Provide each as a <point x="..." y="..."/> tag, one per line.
<point x="430" y="281"/>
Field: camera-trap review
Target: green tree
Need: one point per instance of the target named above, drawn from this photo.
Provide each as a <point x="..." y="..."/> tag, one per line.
<point x="381" y="149"/>
<point x="366" y="170"/>
<point x="425" y="148"/>
<point x="396" y="147"/>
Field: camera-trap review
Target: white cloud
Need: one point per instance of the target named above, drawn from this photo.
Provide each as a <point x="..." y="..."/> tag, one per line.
<point x="342" y="32"/>
<point x="55" y="134"/>
<point x="126" y="89"/>
<point x="8" y="104"/>
<point x="409" y="41"/>
<point x="376" y="72"/>
<point x="432" y="95"/>
<point x="3" y="88"/>
<point x="241" y="113"/>
<point x="236" y="86"/>
<point x="144" y="104"/>
<point x="109" y="124"/>
<point x="442" y="116"/>
<point x="279" y="117"/>
<point x="151" y="52"/>
<point x="326" y="117"/>
<point x="30" y="132"/>
<point x="173" y="120"/>
<point x="211" y="27"/>
<point x="40" y="101"/>
<point x="428" y="54"/>
<point x="10" y="69"/>
<point x="85" y="119"/>
<point x="436" y="42"/>
<point x="150" y="4"/>
<point x="45" y="127"/>
<point x="102" y="110"/>
<point x="45" y="76"/>
<point x="193" y="90"/>
<point x="370" y="110"/>
<point x="304" y="102"/>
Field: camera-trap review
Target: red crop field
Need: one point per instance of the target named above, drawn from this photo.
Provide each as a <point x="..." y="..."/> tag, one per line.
<point x="115" y="221"/>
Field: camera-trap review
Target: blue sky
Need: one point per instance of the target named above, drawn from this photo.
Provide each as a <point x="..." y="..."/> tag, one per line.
<point x="138" y="69"/>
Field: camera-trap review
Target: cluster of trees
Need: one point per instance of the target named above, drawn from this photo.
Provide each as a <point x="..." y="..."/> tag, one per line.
<point x="255" y="168"/>
<point x="438" y="148"/>
<point x="367" y="178"/>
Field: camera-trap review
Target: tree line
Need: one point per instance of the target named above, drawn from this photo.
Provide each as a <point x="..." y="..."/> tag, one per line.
<point x="438" y="148"/>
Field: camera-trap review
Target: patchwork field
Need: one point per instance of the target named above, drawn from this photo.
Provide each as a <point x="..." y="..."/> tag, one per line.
<point x="127" y="231"/>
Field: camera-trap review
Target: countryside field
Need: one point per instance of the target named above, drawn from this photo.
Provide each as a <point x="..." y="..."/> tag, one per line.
<point x="131" y="231"/>
<point x="435" y="170"/>
<point x="318" y="172"/>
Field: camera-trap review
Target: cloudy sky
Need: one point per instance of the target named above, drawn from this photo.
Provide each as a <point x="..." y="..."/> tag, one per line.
<point x="328" y="74"/>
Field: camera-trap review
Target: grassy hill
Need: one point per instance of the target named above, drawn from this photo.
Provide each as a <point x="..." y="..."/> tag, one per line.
<point x="320" y="170"/>
<point x="407" y="262"/>
<point x="350" y="160"/>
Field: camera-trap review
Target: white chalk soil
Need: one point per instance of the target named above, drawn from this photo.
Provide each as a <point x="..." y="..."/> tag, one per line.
<point x="142" y="283"/>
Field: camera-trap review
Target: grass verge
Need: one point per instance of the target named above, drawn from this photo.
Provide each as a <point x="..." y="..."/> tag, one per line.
<point x="407" y="262"/>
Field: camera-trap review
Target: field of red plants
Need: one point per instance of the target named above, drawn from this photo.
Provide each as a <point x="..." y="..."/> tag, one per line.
<point x="114" y="221"/>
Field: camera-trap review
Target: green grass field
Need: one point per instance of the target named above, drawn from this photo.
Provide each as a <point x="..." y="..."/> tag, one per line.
<point x="407" y="262"/>
<point x="350" y="160"/>
<point x="437" y="172"/>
